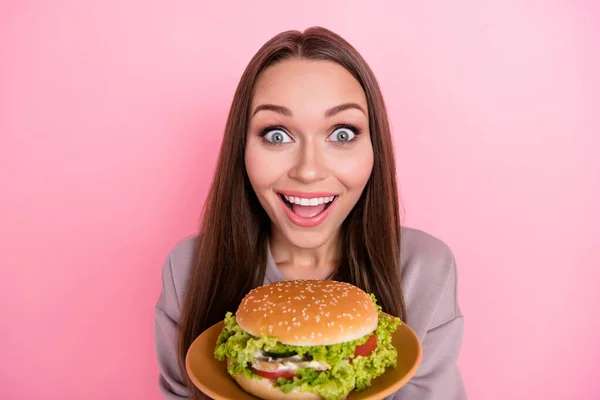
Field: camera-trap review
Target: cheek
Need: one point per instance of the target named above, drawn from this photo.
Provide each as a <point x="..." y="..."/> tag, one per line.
<point x="354" y="170"/>
<point x="260" y="169"/>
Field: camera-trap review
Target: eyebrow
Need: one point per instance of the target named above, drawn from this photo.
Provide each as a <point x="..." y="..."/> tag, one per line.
<point x="328" y="114"/>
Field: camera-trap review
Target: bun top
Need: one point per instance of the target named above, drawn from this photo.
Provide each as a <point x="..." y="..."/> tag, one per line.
<point x="308" y="312"/>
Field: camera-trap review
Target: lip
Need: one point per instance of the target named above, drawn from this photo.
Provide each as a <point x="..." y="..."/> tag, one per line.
<point x="307" y="222"/>
<point x="306" y="195"/>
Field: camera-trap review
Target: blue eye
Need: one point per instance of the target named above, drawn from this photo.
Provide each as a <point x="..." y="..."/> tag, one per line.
<point x="343" y="135"/>
<point x="276" y="136"/>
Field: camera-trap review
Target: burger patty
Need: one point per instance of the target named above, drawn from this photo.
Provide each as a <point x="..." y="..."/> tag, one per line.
<point x="273" y="355"/>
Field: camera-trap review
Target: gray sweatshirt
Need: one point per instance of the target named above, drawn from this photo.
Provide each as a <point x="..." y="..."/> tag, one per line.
<point x="430" y="289"/>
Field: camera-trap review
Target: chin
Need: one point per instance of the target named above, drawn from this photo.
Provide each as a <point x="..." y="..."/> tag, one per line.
<point x="304" y="238"/>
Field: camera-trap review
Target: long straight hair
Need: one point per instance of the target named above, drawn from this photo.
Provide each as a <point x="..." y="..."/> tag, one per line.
<point x="231" y="254"/>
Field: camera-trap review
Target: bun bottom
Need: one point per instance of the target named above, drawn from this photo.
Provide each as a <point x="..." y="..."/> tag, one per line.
<point x="264" y="389"/>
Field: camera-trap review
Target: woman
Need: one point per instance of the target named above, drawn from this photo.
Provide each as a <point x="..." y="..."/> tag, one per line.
<point x="305" y="188"/>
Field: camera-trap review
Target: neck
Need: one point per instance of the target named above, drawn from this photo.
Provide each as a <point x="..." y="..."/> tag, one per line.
<point x="304" y="263"/>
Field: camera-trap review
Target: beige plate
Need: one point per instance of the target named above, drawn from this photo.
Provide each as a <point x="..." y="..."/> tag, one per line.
<point x="211" y="377"/>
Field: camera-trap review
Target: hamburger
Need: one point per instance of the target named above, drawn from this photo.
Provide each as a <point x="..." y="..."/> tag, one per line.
<point x="307" y="339"/>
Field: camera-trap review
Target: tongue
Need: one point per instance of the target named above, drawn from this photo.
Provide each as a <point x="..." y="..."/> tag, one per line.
<point x="308" y="211"/>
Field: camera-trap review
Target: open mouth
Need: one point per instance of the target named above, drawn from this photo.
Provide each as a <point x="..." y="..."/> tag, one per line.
<point x="307" y="208"/>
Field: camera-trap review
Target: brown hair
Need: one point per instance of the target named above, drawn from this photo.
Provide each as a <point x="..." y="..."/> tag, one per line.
<point x="233" y="239"/>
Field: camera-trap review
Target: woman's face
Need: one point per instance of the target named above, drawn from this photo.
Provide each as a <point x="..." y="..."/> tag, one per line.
<point x="308" y="152"/>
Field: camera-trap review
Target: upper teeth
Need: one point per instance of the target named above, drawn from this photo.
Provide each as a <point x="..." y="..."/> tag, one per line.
<point x="309" y="202"/>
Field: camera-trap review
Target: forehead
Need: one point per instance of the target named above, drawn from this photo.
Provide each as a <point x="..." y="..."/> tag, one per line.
<point x="305" y="85"/>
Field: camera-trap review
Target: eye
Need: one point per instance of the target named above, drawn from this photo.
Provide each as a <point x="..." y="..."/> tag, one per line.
<point x="276" y="136"/>
<point x="343" y="135"/>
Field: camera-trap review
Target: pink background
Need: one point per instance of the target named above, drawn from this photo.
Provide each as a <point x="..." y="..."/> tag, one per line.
<point x="111" y="114"/>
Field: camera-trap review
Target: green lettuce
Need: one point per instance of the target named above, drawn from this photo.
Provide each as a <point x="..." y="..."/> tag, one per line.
<point x="334" y="384"/>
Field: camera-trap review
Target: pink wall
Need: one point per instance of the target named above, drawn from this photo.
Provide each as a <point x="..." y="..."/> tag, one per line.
<point x="111" y="114"/>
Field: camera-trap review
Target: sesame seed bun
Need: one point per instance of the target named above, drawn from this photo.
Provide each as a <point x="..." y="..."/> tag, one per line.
<point x="308" y="312"/>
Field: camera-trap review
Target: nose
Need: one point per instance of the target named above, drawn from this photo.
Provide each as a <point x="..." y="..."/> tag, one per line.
<point x="309" y="165"/>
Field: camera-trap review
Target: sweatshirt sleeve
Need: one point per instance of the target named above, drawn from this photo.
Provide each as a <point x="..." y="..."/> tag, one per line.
<point x="438" y="376"/>
<point x="166" y="319"/>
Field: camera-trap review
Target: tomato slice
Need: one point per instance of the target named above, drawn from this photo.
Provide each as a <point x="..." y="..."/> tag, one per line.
<point x="274" y="375"/>
<point x="366" y="348"/>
